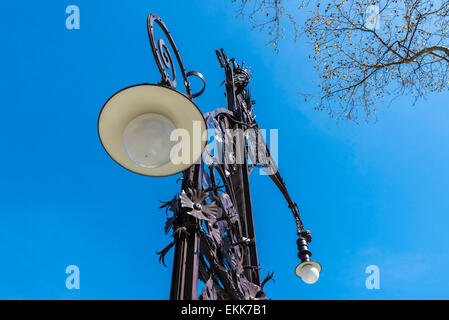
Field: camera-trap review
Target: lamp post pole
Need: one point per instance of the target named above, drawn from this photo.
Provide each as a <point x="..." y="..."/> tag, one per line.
<point x="240" y="177"/>
<point x="184" y="283"/>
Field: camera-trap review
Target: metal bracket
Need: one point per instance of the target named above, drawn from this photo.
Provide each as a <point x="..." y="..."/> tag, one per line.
<point x="164" y="59"/>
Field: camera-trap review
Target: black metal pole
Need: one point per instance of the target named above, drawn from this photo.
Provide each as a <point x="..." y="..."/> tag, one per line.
<point x="184" y="284"/>
<point x="240" y="177"/>
<point x="185" y="266"/>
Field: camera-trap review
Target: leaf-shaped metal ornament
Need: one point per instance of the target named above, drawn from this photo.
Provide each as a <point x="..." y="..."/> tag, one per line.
<point x="163" y="252"/>
<point x="216" y="232"/>
<point x="229" y="207"/>
<point x="209" y="292"/>
<point x="169" y="224"/>
<point x="251" y="290"/>
<point x="239" y="268"/>
<point x="215" y="235"/>
<point x="195" y="206"/>
<point x="172" y="205"/>
<point x="270" y="276"/>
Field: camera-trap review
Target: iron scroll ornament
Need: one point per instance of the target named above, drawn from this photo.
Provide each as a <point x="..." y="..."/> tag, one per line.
<point x="164" y="59"/>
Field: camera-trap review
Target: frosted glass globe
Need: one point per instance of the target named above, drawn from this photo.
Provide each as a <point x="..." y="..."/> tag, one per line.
<point x="147" y="140"/>
<point x="310" y="274"/>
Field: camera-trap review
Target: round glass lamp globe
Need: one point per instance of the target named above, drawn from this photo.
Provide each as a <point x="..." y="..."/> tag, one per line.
<point x="147" y="140"/>
<point x="309" y="273"/>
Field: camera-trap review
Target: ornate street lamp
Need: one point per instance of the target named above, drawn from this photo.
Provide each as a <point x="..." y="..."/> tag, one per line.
<point x="136" y="123"/>
<point x="212" y="220"/>
<point x="307" y="270"/>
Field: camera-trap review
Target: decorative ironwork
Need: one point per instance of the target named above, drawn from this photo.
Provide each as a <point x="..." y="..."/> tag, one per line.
<point x="196" y="206"/>
<point x="242" y="76"/>
<point x="164" y="59"/>
<point x="211" y="220"/>
<point x="227" y="260"/>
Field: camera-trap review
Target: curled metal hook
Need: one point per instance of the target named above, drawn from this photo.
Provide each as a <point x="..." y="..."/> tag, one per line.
<point x="164" y="59"/>
<point x="199" y="75"/>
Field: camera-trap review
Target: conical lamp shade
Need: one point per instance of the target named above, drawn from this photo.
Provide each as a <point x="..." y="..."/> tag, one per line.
<point x="135" y="127"/>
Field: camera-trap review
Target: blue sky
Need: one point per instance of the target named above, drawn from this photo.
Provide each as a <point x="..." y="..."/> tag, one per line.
<point x="372" y="194"/>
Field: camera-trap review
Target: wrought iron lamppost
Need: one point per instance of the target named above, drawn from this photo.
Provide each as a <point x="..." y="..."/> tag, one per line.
<point x="212" y="220"/>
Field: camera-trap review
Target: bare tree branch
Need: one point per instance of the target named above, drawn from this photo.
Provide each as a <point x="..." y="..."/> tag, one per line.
<point x="366" y="50"/>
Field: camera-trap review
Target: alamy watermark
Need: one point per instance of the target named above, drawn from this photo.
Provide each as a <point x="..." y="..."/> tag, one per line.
<point x="373" y="280"/>
<point x="72" y="22"/>
<point x="73" y="280"/>
<point x="372" y="21"/>
<point x="229" y="146"/>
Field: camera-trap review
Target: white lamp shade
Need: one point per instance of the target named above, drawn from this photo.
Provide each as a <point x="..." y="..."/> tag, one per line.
<point x="308" y="271"/>
<point x="135" y="124"/>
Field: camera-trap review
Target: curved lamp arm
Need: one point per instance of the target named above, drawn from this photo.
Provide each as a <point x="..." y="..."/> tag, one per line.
<point x="164" y="59"/>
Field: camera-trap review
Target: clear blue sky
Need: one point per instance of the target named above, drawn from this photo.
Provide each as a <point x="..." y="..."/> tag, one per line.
<point x="371" y="193"/>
